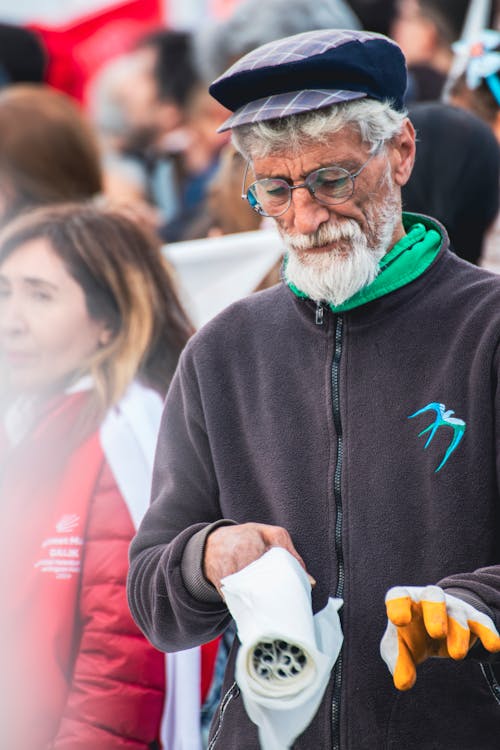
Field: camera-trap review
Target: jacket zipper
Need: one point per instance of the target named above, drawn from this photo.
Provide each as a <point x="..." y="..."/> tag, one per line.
<point x="233" y="692"/>
<point x="337" y="672"/>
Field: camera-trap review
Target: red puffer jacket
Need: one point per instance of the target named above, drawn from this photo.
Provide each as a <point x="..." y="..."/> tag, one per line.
<point x="76" y="672"/>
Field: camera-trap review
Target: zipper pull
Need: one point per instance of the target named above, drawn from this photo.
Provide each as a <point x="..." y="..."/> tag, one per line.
<point x="320" y="311"/>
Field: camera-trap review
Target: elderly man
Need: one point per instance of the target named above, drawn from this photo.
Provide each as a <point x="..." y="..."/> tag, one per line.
<point x="348" y="415"/>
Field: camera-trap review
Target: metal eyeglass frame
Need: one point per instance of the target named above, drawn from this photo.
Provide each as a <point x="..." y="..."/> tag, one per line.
<point x="352" y="176"/>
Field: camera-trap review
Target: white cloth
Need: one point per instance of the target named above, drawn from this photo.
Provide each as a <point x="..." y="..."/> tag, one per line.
<point x="181" y="719"/>
<point x="128" y="437"/>
<point x="270" y="601"/>
<point x="217" y="271"/>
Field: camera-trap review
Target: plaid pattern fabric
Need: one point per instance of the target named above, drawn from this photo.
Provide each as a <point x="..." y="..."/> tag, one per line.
<point x="310" y="71"/>
<point x="299" y="47"/>
<point x="282" y="105"/>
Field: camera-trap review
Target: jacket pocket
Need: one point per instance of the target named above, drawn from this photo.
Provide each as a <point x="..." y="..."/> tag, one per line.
<point x="491" y="680"/>
<point x="233" y="692"/>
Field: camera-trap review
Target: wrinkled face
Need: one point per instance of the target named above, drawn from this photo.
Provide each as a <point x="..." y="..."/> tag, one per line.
<point x="333" y="251"/>
<point x="46" y="333"/>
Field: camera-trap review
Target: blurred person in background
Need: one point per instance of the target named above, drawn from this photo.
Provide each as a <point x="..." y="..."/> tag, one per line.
<point x="157" y="126"/>
<point x="374" y="15"/>
<point x="478" y="89"/>
<point x="462" y="155"/>
<point x="124" y="174"/>
<point x="219" y="45"/>
<point x="425" y="30"/>
<point x="227" y="212"/>
<point x="48" y="151"/>
<point x="155" y="105"/>
<point x="187" y="152"/>
<point x="23" y="58"/>
<point x="197" y="163"/>
<point x="90" y="333"/>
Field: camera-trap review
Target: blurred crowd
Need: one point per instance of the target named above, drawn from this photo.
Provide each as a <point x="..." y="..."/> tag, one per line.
<point x="151" y="124"/>
<point x="92" y="324"/>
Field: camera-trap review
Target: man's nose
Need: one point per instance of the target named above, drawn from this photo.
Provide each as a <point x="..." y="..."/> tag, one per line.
<point x="307" y="213"/>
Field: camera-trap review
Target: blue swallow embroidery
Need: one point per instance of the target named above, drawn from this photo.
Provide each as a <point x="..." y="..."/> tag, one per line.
<point x="443" y="419"/>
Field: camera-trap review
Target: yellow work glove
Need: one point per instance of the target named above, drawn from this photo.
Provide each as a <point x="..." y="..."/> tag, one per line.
<point x="425" y="622"/>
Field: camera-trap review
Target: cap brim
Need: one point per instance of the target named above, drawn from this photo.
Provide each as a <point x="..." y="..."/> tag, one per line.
<point x="289" y="103"/>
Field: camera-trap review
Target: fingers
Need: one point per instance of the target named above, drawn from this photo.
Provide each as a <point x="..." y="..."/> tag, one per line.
<point x="276" y="536"/>
<point x="403" y="605"/>
<point x="405" y="672"/>
<point x="458" y="639"/>
<point x="487" y="634"/>
<point x="434" y="612"/>
<point x="427" y="622"/>
<point x="398" y="606"/>
<point x="229" y="549"/>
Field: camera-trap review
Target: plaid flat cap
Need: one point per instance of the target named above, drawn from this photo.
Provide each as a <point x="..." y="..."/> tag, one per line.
<point x="310" y="71"/>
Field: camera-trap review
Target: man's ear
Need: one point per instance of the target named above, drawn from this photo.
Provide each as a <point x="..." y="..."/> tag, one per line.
<point x="403" y="153"/>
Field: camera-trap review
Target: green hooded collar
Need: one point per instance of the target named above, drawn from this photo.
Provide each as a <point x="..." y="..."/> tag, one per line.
<point x="405" y="262"/>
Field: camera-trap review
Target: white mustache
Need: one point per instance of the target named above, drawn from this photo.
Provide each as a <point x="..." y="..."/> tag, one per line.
<point x="326" y="234"/>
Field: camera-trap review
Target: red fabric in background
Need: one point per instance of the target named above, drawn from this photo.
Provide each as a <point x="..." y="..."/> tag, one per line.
<point x="78" y="49"/>
<point x="208" y="657"/>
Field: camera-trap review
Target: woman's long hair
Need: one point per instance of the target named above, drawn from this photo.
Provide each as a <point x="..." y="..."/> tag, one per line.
<point x="127" y="284"/>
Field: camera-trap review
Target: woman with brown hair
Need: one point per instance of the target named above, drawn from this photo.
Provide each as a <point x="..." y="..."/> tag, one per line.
<point x="48" y="151"/>
<point x="90" y="332"/>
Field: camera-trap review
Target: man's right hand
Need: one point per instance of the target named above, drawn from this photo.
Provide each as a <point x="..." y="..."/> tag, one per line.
<point x="228" y="549"/>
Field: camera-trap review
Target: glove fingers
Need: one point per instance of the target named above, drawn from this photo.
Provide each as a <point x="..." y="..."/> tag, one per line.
<point x="458" y="639"/>
<point x="435" y="618"/>
<point x="405" y="672"/>
<point x="399" y="610"/>
<point x="487" y="635"/>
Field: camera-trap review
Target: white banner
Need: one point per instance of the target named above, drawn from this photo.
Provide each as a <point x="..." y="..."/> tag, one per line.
<point x="214" y="272"/>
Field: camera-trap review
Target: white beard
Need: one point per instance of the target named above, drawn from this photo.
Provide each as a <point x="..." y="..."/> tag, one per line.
<point x="352" y="264"/>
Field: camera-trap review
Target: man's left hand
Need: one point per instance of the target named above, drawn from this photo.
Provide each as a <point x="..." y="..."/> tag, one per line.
<point x="425" y="622"/>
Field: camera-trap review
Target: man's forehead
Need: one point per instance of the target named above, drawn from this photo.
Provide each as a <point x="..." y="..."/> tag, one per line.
<point x="344" y="145"/>
<point x="348" y="150"/>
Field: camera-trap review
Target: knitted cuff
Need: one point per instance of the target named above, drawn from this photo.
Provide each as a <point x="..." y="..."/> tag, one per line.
<point x="192" y="565"/>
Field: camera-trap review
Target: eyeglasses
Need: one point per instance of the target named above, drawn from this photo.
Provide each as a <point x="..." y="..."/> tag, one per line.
<point x="271" y="196"/>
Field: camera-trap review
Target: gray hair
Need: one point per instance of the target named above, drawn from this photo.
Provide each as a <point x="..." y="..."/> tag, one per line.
<point x="375" y="122"/>
<point x="217" y="46"/>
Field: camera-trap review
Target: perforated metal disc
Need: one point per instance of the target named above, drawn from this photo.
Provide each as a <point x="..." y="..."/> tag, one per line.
<point x="278" y="661"/>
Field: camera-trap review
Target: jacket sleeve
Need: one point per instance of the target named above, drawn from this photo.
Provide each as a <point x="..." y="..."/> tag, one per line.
<point x="117" y="689"/>
<point x="481" y="588"/>
<point x="169" y="598"/>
